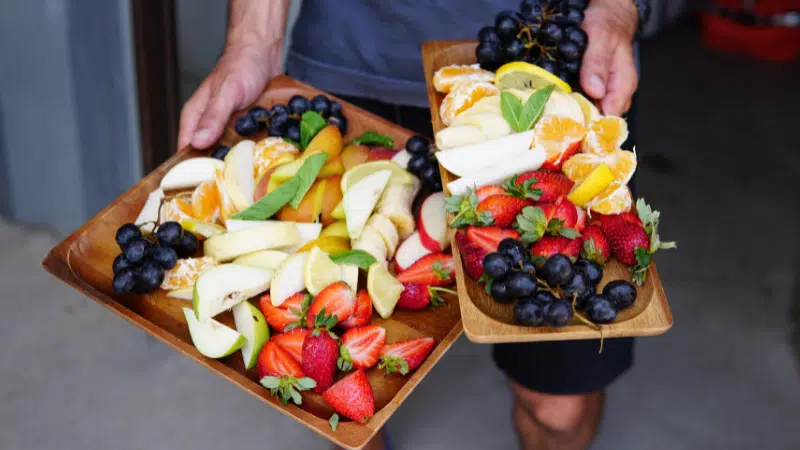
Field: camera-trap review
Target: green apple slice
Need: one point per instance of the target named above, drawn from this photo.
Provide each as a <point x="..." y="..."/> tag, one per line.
<point x="265" y="259"/>
<point x="212" y="338"/>
<point x="221" y="287"/>
<point x="361" y="198"/>
<point x="240" y="184"/>
<point x="149" y="213"/>
<point x="191" y="173"/>
<point x="266" y="236"/>
<point x="289" y="278"/>
<point x="251" y="323"/>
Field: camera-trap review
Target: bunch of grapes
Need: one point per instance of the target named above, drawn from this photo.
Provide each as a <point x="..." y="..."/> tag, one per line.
<point x="284" y="120"/>
<point x="144" y="258"/>
<point x="543" y="32"/>
<point x="423" y="163"/>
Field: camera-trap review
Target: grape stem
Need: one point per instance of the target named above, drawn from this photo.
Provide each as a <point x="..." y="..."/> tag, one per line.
<point x="587" y="322"/>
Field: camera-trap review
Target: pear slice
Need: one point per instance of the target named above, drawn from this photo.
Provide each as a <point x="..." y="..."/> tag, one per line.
<point x="493" y="125"/>
<point x="239" y="174"/>
<point x="252" y="324"/>
<point x="186" y="293"/>
<point x="190" y="173"/>
<point x="228" y="246"/>
<point x="511" y="164"/>
<point x="149" y="212"/>
<point x="289" y="278"/>
<point x="211" y="338"/>
<point x="458" y="136"/>
<point x="222" y="287"/>
<point x="265" y="259"/>
<point x="386" y="230"/>
<point x="308" y="231"/>
<point x="361" y="198"/>
<point x="471" y="159"/>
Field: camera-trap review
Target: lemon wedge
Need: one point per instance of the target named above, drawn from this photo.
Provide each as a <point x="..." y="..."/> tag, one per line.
<point x="320" y="271"/>
<point x="329" y="244"/>
<point x="357" y="173"/>
<point x="590" y="187"/>
<point x="522" y="75"/>
<point x="384" y="289"/>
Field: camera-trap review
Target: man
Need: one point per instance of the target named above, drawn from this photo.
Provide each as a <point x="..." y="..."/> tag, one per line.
<point x="368" y="51"/>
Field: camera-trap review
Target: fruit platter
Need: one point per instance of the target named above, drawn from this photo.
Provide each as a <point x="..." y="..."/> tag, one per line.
<point x="300" y="258"/>
<point x="549" y="242"/>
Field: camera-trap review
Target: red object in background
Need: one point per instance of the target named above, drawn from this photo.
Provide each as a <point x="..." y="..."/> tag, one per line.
<point x="762" y="41"/>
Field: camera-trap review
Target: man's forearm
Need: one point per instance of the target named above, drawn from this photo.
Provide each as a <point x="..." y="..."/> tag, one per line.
<point x="257" y="21"/>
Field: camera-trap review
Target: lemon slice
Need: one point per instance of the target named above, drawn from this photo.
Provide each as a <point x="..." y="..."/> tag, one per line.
<point x="384" y="289"/>
<point x="329" y="244"/>
<point x="202" y="228"/>
<point x="522" y="75"/>
<point x="590" y="187"/>
<point x="320" y="271"/>
<point x="354" y="175"/>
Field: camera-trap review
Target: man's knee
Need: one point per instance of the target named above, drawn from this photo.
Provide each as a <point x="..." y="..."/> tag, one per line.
<point x="559" y="413"/>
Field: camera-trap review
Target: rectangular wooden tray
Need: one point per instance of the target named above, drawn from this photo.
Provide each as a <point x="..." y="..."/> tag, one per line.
<point x="83" y="261"/>
<point x="486" y="321"/>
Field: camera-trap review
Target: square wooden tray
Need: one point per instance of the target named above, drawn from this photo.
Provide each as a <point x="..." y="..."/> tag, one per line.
<point x="83" y="261"/>
<point x="486" y="321"/>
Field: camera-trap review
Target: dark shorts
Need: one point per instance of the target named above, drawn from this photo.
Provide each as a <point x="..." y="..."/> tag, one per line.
<point x="563" y="367"/>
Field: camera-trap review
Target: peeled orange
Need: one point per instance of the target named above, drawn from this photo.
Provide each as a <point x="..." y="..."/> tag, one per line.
<point x="605" y="135"/>
<point x="615" y="199"/>
<point x="270" y="152"/>
<point x="622" y="164"/>
<point x="446" y="77"/>
<point x="176" y="209"/>
<point x="186" y="272"/>
<point x="462" y="95"/>
<point x="559" y="137"/>
<point x="206" y="202"/>
<point x="227" y="208"/>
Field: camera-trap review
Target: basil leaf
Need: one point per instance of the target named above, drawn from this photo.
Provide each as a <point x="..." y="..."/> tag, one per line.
<point x="534" y="107"/>
<point x="511" y="107"/>
<point x="306" y="175"/>
<point x="296" y="144"/>
<point x="310" y="124"/>
<point x="373" y="138"/>
<point x="358" y="258"/>
<point x="269" y="204"/>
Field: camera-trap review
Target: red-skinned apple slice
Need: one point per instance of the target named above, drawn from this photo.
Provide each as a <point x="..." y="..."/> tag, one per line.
<point x="409" y="252"/>
<point x="432" y="223"/>
<point x="380" y="153"/>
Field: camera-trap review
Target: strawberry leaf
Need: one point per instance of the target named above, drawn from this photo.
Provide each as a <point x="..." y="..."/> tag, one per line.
<point x="296" y="398"/>
<point x="639" y="271"/>
<point x="345" y="361"/>
<point x="334" y="421"/>
<point x="466" y="211"/>
<point x="436" y="299"/>
<point x="393" y="364"/>
<point x="531" y="224"/>
<point x="522" y="190"/>
<point x="569" y="233"/>
<point x="538" y="260"/>
<point x="306" y="383"/>
<point x="440" y="272"/>
<point x="591" y="252"/>
<point x="270" y="382"/>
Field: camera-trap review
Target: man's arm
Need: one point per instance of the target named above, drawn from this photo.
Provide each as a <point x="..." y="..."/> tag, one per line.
<point x="252" y="56"/>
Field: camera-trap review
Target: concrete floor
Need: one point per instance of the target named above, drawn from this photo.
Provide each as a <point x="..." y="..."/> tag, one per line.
<point x="718" y="158"/>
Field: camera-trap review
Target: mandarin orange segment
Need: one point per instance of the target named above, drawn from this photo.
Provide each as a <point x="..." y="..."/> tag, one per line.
<point x="186" y="272"/>
<point x="268" y="152"/>
<point x="227" y="208"/>
<point x="176" y="209"/>
<point x="605" y="135"/>
<point x="206" y="202"/>
<point x="462" y="95"/>
<point x="556" y="135"/>
<point x="615" y="199"/>
<point x="446" y="77"/>
<point x="622" y="164"/>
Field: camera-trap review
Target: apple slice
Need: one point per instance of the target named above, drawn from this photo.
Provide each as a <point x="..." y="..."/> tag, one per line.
<point x="288" y="278"/>
<point x="386" y="230"/>
<point x="221" y="287"/>
<point x="458" y="136"/>
<point x="239" y="175"/>
<point x="470" y="159"/>
<point x="253" y="326"/>
<point x="211" y="338"/>
<point x="265" y="259"/>
<point x="149" y="212"/>
<point x="395" y="203"/>
<point x="308" y="231"/>
<point x="190" y="173"/>
<point x="433" y="223"/>
<point x="409" y="252"/>
<point x="336" y="229"/>
<point x="360" y="199"/>
<point x="371" y="242"/>
<point x="510" y="165"/>
<point x="402" y="158"/>
<point x="267" y="236"/>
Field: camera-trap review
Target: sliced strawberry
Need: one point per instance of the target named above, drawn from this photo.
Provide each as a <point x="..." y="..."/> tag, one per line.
<point x="292" y="342"/>
<point x="595" y="245"/>
<point x="337" y="301"/>
<point x="503" y="208"/>
<point x="289" y="315"/>
<point x="555" y="162"/>
<point x="363" y="311"/>
<point x="437" y="269"/>
<point x="416" y="296"/>
<point x="580" y="225"/>
<point x="361" y="347"/>
<point x="405" y="356"/>
<point x="282" y="374"/>
<point x="489" y="238"/>
<point x="551" y="245"/>
<point x="320" y="351"/>
<point x="486" y="191"/>
<point x="471" y="255"/>
<point x="552" y="184"/>
<point x="352" y="397"/>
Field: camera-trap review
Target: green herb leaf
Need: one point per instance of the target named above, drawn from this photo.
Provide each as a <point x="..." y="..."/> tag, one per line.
<point x="534" y="107"/>
<point x="334" y="421"/>
<point x="269" y="204"/>
<point x="358" y="258"/>
<point x="306" y="175"/>
<point x="296" y="144"/>
<point x="531" y="224"/>
<point x="373" y="138"/>
<point x="310" y="124"/>
<point x="511" y="107"/>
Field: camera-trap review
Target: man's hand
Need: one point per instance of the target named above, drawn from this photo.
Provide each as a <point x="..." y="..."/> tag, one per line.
<point x="608" y="72"/>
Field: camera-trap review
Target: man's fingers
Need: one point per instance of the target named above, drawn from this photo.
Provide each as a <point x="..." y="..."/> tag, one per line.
<point x="190" y="114"/>
<point x="597" y="61"/>
<point x="223" y="103"/>
<point x="622" y="81"/>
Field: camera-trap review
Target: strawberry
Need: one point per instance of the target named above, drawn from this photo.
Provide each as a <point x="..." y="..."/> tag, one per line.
<point x="292" y="342"/>
<point x="405" y="356"/>
<point x="595" y="245"/>
<point x="563" y="210"/>
<point x="580" y="225"/>
<point x="551" y="184"/>
<point x="502" y="208"/>
<point x="337" y="301"/>
<point x="282" y="374"/>
<point x="471" y="255"/>
<point x="320" y="351"/>
<point x="489" y="237"/>
<point x="437" y="269"/>
<point x="417" y="296"/>
<point x="606" y="221"/>
<point x="486" y="191"/>
<point x="363" y="312"/>
<point x="352" y="397"/>
<point x="555" y="162"/>
<point x="624" y="238"/>
<point x="291" y="314"/>
<point x="550" y="245"/>
<point x="360" y="347"/>
<point x="556" y="219"/>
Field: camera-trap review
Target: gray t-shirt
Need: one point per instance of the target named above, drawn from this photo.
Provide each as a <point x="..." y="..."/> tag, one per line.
<point x="373" y="48"/>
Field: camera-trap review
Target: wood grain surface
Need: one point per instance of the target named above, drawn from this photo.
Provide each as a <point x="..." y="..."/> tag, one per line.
<point x="486" y="321"/>
<point x="83" y="261"/>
